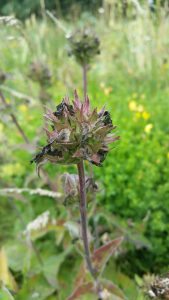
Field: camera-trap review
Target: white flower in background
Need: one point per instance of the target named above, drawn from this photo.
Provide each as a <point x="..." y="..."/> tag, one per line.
<point x="101" y="10"/>
<point x="9" y="20"/>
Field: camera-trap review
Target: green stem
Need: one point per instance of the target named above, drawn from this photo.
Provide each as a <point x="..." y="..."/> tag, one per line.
<point x="84" y="69"/>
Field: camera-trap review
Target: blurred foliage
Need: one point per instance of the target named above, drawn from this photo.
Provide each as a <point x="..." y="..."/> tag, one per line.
<point x="24" y="8"/>
<point x="131" y="76"/>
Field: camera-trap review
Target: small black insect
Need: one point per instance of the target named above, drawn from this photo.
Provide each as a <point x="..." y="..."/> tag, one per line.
<point x="107" y="118"/>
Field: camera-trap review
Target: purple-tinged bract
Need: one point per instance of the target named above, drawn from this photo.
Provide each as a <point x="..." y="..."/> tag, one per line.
<point x="78" y="133"/>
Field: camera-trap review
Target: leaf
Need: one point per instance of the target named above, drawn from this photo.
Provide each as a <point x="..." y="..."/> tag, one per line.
<point x="5" y="276"/>
<point x="103" y="254"/>
<point x="73" y="229"/>
<point x="17" y="256"/>
<point x="113" y="289"/>
<point x="126" y="284"/>
<point x="81" y="290"/>
<point x="99" y="260"/>
<point x="35" y="287"/>
<point x="42" y="225"/>
<point x="52" y="266"/>
<point x="107" y="287"/>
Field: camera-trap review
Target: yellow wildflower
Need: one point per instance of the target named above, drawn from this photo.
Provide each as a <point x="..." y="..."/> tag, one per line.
<point x="132" y="105"/>
<point x="102" y="85"/>
<point x="12" y="169"/>
<point x="168" y="155"/>
<point x="140" y="108"/>
<point x="148" y="128"/>
<point x="107" y="91"/>
<point x="145" y="115"/>
<point x="23" y="108"/>
<point x="8" y="100"/>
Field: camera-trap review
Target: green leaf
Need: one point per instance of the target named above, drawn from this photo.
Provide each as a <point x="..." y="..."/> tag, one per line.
<point x="73" y="229"/>
<point x="18" y="256"/>
<point x="103" y="254"/>
<point x="35" y="287"/>
<point x="113" y="289"/>
<point x="81" y="290"/>
<point x="52" y="266"/>
<point x="107" y="287"/>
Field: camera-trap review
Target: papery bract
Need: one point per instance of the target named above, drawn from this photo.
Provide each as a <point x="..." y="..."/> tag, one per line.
<point x="78" y="133"/>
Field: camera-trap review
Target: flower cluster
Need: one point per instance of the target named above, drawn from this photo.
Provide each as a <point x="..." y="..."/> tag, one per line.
<point x="160" y="288"/>
<point x="40" y="73"/>
<point x="78" y="133"/>
<point x="84" y="45"/>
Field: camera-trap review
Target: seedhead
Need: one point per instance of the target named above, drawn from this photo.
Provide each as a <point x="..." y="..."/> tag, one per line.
<point x="78" y="133"/>
<point x="84" y="45"/>
<point x="40" y="73"/>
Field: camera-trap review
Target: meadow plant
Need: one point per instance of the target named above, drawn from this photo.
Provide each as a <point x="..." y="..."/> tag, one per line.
<point x="159" y="288"/>
<point x="84" y="45"/>
<point x="3" y="77"/>
<point x="39" y="72"/>
<point x="81" y="134"/>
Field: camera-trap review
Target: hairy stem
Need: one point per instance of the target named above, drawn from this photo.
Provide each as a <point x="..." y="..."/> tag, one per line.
<point x="83" y="213"/>
<point x="84" y="71"/>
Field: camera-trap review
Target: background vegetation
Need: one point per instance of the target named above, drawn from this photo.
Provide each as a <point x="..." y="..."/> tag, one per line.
<point x="131" y="76"/>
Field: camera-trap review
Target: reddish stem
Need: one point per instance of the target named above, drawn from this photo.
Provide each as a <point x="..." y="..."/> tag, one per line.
<point x="83" y="213"/>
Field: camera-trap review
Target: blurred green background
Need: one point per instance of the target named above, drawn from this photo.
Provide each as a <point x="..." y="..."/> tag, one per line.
<point x="131" y="77"/>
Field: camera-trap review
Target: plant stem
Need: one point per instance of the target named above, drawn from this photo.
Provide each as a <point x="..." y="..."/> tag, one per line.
<point x="14" y="120"/>
<point x="83" y="213"/>
<point x="84" y="216"/>
<point x="84" y="70"/>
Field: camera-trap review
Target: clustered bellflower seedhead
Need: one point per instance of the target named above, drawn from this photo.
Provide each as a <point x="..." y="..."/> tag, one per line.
<point x="78" y="133"/>
<point x="84" y="45"/>
<point x="40" y="73"/>
<point x="159" y="288"/>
